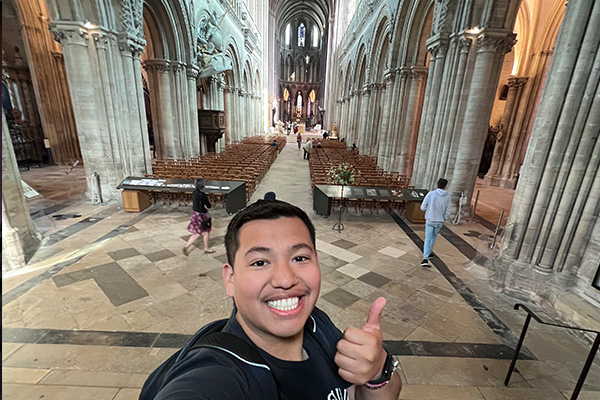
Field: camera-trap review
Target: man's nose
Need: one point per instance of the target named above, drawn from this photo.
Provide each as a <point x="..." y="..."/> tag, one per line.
<point x="284" y="276"/>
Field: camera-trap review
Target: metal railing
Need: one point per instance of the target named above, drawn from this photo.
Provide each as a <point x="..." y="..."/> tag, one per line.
<point x="588" y="362"/>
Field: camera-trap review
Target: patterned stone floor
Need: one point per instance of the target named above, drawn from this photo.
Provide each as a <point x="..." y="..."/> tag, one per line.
<point x="110" y="296"/>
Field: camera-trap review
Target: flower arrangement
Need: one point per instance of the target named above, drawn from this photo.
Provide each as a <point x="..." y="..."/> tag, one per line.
<point x="342" y="174"/>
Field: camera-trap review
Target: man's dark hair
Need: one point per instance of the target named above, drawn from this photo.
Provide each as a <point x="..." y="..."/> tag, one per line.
<point x="264" y="209"/>
<point x="442" y="183"/>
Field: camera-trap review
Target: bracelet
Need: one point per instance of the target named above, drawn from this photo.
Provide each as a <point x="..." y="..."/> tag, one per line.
<point x="376" y="386"/>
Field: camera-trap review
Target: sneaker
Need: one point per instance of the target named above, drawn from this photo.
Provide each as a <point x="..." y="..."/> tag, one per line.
<point x="210" y="251"/>
<point x="425" y="264"/>
<point x="185" y="251"/>
<point x="431" y="256"/>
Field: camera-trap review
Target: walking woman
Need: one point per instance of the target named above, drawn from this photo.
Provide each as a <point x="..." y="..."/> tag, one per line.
<point x="201" y="223"/>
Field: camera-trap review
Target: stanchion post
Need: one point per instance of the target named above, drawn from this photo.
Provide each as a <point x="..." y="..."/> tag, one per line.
<point x="475" y="205"/>
<point x="497" y="229"/>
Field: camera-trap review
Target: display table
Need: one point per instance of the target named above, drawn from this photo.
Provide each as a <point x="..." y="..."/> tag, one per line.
<point x="323" y="194"/>
<point x="136" y="189"/>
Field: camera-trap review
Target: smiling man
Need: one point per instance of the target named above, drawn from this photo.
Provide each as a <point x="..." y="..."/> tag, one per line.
<point x="273" y="275"/>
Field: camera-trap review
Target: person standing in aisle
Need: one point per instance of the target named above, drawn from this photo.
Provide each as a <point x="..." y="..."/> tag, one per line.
<point x="200" y="223"/>
<point x="437" y="209"/>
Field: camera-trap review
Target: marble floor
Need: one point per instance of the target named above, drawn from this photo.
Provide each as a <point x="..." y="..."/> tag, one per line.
<point x="109" y="296"/>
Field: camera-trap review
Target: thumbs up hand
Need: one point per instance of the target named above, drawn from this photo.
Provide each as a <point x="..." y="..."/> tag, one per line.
<point x="360" y="355"/>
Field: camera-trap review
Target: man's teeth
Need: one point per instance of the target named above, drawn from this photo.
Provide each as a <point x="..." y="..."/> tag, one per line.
<point x="284" y="304"/>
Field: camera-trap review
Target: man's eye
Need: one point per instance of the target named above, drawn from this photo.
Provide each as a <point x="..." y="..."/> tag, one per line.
<point x="259" y="263"/>
<point x="300" y="258"/>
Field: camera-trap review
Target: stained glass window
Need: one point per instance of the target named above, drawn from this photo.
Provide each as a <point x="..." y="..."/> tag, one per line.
<point x="287" y="35"/>
<point x="308" y="104"/>
<point x="301" y="35"/>
<point x="315" y="36"/>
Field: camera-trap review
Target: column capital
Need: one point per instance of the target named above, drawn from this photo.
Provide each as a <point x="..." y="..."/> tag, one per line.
<point x="192" y="72"/>
<point x="464" y="44"/>
<point x="388" y="76"/>
<point x="514" y="81"/>
<point x="418" y="72"/>
<point x="177" y="67"/>
<point x="437" y="46"/>
<point x="131" y="45"/>
<point x="499" y="41"/>
<point x="101" y="39"/>
<point x="70" y="33"/>
<point x="157" y="65"/>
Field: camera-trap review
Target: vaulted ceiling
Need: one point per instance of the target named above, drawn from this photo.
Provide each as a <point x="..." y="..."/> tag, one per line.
<point x="288" y="10"/>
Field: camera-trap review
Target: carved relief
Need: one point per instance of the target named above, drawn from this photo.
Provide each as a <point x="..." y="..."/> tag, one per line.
<point x="209" y="44"/>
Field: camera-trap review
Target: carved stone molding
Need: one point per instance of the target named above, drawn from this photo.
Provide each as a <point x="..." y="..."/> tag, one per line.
<point x="192" y="72"/>
<point x="464" y="44"/>
<point x="418" y="73"/>
<point x="437" y="49"/>
<point x="68" y="35"/>
<point x="177" y="67"/>
<point x="157" y="65"/>
<point x="101" y="39"/>
<point x="494" y="43"/>
<point x="515" y="81"/>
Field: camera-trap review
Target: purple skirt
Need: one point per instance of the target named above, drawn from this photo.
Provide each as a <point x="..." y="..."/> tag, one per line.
<point x="195" y="226"/>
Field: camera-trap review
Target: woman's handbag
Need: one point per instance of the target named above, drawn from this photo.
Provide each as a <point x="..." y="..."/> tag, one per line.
<point x="206" y="224"/>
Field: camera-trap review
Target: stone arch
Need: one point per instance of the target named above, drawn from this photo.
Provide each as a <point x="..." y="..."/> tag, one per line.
<point x="170" y="37"/>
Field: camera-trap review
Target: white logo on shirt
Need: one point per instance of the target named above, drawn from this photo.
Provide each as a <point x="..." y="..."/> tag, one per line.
<point x="338" y="394"/>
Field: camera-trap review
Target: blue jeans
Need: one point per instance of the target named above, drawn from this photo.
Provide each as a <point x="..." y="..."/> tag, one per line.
<point x="431" y="231"/>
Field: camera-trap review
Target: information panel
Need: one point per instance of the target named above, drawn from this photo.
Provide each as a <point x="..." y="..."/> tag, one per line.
<point x="234" y="191"/>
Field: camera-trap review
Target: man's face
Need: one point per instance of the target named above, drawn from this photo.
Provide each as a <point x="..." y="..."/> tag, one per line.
<point x="276" y="279"/>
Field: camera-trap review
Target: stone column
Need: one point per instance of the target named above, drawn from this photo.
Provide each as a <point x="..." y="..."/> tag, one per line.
<point x="492" y="44"/>
<point x="438" y="50"/>
<point x="365" y="114"/>
<point x="460" y="97"/>
<point x="133" y="115"/>
<point x="399" y="118"/>
<point x="163" y="117"/>
<point x="507" y="134"/>
<point x="556" y="201"/>
<point x="20" y="239"/>
<point x="408" y="136"/>
<point x="227" y="108"/>
<point x="192" y="74"/>
<point x="383" y="159"/>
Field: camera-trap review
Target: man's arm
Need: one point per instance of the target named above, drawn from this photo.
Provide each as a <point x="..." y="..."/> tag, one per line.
<point x="361" y="358"/>
<point x="425" y="202"/>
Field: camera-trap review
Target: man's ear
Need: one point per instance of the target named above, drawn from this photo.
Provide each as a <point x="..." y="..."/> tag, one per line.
<point x="228" y="279"/>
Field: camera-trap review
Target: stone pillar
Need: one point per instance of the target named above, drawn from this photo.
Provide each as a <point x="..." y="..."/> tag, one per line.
<point x="133" y="115"/>
<point x="159" y="82"/>
<point x="459" y="94"/>
<point x="192" y="74"/>
<point x="492" y="44"/>
<point x="383" y="159"/>
<point x="557" y="199"/>
<point x="20" y="239"/>
<point x="227" y="108"/>
<point x="399" y="118"/>
<point x="404" y="159"/>
<point x="365" y="114"/>
<point x="438" y="50"/>
<point x="507" y="135"/>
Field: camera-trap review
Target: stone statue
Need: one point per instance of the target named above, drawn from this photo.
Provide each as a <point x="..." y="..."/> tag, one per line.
<point x="211" y="59"/>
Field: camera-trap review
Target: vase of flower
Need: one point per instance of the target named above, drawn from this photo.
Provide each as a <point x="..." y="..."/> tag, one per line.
<point x="342" y="174"/>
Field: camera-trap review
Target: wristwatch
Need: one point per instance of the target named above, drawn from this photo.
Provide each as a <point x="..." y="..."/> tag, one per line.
<point x="388" y="370"/>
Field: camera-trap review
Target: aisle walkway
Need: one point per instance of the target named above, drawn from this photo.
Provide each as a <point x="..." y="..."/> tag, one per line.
<point x="118" y="297"/>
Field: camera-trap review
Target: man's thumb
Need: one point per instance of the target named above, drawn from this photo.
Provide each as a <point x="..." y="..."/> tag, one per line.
<point x="374" y="317"/>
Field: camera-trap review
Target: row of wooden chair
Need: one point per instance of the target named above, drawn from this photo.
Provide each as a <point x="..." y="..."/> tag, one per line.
<point x="245" y="161"/>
